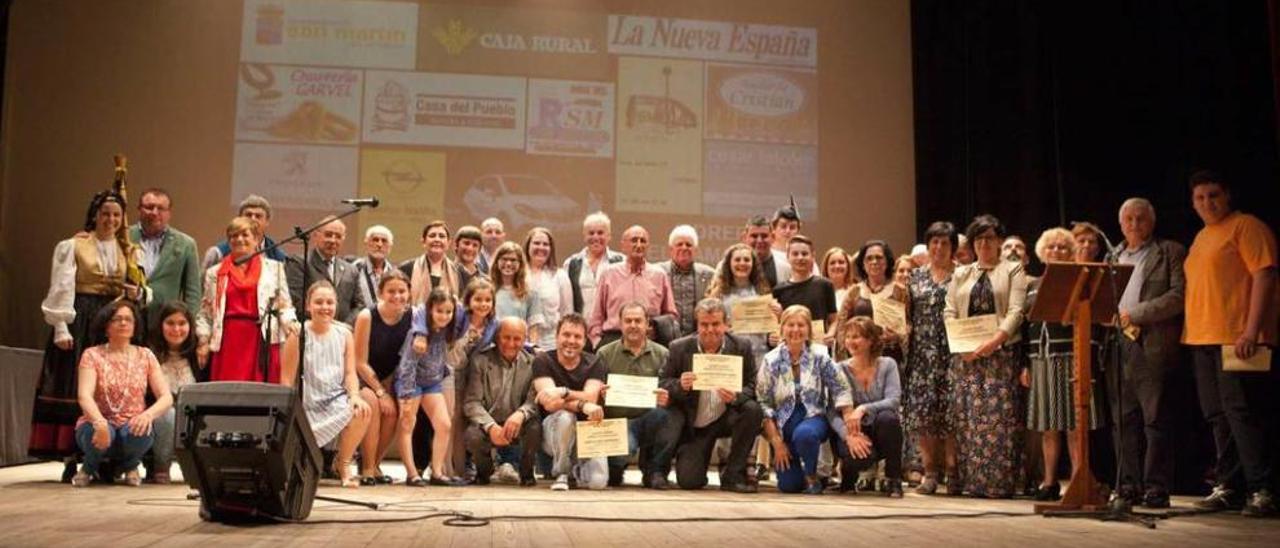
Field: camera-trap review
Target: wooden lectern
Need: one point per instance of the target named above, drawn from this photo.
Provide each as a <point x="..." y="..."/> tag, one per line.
<point x="1080" y="294"/>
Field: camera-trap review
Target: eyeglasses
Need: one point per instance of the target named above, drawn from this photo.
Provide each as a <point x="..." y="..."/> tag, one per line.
<point x="121" y="319"/>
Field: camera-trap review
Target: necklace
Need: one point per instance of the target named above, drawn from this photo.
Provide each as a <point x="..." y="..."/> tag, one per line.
<point x="116" y="407"/>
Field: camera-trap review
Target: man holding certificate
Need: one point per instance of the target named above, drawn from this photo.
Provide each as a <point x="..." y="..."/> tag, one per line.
<point x="500" y="403"/>
<point x="634" y="363"/>
<point x="568" y="382"/>
<point x="711" y="377"/>
<point x="1231" y="310"/>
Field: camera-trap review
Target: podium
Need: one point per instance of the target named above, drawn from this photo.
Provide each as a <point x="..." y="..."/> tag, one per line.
<point x="1080" y="295"/>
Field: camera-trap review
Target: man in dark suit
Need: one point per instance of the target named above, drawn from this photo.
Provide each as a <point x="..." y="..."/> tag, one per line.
<point x="689" y="279"/>
<point x="325" y="264"/>
<point x="1151" y="311"/>
<point x="708" y="415"/>
<point x="168" y="255"/>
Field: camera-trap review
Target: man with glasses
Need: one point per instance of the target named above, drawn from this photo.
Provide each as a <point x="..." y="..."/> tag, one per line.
<point x="168" y="255"/>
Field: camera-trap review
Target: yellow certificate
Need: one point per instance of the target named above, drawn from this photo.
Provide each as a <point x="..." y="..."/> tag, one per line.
<point x="632" y="391"/>
<point x="606" y="438"/>
<point x="889" y="314"/>
<point x="965" y="335"/>
<point x="818" y="329"/>
<point x="753" y="315"/>
<point x="717" y="371"/>
<point x="1261" y="360"/>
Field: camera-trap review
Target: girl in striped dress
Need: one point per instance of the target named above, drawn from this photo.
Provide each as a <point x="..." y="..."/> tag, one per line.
<point x="330" y="389"/>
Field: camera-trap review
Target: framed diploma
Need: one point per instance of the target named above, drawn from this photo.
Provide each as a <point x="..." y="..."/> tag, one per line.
<point x="753" y="315"/>
<point x="607" y="438"/>
<point x="631" y="391"/>
<point x="965" y="335"/>
<point x="890" y="314"/>
<point x="1261" y="360"/>
<point x="717" y="371"/>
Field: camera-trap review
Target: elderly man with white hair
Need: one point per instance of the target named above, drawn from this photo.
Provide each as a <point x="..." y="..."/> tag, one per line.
<point x="374" y="264"/>
<point x="689" y="279"/>
<point x="578" y="287"/>
<point x="325" y="264"/>
<point x="1151" y="310"/>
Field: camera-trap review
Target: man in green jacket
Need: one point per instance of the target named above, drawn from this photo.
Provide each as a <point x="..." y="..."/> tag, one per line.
<point x="168" y="255"/>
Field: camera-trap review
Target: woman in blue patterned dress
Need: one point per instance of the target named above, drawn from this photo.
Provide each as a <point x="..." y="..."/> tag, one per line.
<point x="989" y="426"/>
<point x="330" y="389"/>
<point x="926" y="406"/>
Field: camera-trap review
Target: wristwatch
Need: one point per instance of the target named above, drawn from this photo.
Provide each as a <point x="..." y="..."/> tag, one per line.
<point x="380" y="393"/>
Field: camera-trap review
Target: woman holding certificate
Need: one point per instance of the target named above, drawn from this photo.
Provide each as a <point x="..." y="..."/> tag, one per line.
<point x="1051" y="408"/>
<point x="877" y="297"/>
<point x="984" y="311"/>
<point x="739" y="278"/>
<point x="796" y="388"/>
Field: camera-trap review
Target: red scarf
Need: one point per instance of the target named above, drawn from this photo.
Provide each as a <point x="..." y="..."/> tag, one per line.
<point x="246" y="277"/>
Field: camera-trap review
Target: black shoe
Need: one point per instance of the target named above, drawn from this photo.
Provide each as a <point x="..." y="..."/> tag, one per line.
<point x="658" y="480"/>
<point x="368" y="481"/>
<point x="528" y="481"/>
<point x="446" y="482"/>
<point x="68" y="471"/>
<point x="739" y="488"/>
<point x="1053" y="491"/>
<point x="1220" y="499"/>
<point x="849" y="483"/>
<point x="417" y="482"/>
<point x="615" y="476"/>
<point x="1260" y="505"/>
<point x="384" y="480"/>
<point x="895" y="489"/>
<point x="482" y="480"/>
<point x="1155" y="500"/>
<point x="483" y="473"/>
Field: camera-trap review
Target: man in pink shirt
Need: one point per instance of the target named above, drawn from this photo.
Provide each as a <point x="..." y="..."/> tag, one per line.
<point x="633" y="280"/>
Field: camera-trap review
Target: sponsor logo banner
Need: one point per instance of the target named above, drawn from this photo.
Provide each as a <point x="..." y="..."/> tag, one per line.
<point x="526" y="191"/>
<point x="570" y="118"/>
<point x="299" y="104"/>
<point x="659" y="160"/>
<point x="294" y="176"/>
<point x="418" y="108"/>
<point x="745" y="179"/>
<point x="514" y="41"/>
<point x="766" y="105"/>
<point x="713" y="40"/>
<point x="330" y="33"/>
<point x="410" y="185"/>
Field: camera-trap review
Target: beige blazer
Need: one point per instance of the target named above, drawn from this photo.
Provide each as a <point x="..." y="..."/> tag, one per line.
<point x="1008" y="282"/>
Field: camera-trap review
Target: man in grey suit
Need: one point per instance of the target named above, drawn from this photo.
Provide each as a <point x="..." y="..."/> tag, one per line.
<point x="1151" y="314"/>
<point x="168" y="255"/>
<point x="689" y="279"/>
<point x="325" y="264"/>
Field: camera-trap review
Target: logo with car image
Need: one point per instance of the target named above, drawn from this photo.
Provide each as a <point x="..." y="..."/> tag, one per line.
<point x="660" y="112"/>
<point x="526" y="201"/>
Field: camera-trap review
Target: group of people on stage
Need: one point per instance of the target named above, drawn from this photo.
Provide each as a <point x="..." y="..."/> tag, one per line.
<point x="485" y="353"/>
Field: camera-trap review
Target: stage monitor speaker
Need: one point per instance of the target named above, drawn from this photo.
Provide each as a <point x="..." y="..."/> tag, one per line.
<point x="247" y="449"/>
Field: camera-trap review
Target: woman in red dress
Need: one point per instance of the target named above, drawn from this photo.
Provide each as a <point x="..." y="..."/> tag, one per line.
<point x="243" y="306"/>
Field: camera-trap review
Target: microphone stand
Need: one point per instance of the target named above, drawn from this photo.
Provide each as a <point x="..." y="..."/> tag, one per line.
<point x="304" y="236"/>
<point x="1118" y="508"/>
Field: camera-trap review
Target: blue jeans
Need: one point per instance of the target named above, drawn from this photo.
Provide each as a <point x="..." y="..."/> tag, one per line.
<point x="125" y="448"/>
<point x="645" y="432"/>
<point x="162" y="449"/>
<point x="803" y="438"/>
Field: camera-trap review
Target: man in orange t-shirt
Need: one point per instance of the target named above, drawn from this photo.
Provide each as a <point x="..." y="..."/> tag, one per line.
<point x="1231" y="300"/>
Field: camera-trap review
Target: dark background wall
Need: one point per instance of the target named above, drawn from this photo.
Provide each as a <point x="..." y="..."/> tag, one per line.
<point x="1044" y="113"/>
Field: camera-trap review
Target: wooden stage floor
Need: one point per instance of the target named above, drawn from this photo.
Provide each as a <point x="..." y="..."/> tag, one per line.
<point x="35" y="510"/>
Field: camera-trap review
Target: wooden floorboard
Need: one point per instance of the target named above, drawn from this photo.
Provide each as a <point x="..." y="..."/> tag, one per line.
<point x="35" y="510"/>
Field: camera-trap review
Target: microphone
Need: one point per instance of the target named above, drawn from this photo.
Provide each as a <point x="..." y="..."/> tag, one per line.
<point x="362" y="202"/>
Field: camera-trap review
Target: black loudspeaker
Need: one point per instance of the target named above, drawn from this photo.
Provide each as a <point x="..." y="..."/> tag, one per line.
<point x="248" y="448"/>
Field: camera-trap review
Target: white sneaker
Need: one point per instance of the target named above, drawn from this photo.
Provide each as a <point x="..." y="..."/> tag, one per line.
<point x="561" y="483"/>
<point x="507" y="474"/>
<point x="81" y="479"/>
